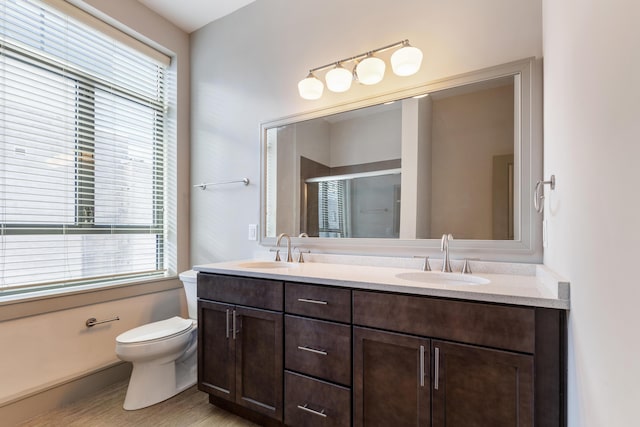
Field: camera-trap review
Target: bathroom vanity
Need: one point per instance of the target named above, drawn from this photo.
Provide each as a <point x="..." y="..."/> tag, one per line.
<point x="337" y="345"/>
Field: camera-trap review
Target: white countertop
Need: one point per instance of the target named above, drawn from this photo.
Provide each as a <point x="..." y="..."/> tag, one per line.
<point x="519" y="284"/>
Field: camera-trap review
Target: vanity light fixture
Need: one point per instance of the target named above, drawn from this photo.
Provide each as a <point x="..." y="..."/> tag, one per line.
<point x="368" y="70"/>
<point x="310" y="87"/>
<point x="406" y="61"/>
<point x="338" y="79"/>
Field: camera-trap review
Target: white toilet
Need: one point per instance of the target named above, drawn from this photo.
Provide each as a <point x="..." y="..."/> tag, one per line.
<point x="163" y="354"/>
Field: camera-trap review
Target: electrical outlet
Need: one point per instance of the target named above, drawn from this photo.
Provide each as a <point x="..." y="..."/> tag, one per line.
<point x="253" y="231"/>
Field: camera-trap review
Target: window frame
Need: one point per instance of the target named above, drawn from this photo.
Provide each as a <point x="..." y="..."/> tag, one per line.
<point x="86" y="86"/>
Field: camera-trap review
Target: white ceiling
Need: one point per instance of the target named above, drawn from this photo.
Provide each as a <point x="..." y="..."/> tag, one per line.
<point x="190" y="15"/>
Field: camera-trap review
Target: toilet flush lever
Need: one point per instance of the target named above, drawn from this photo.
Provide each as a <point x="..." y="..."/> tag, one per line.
<point x="93" y="321"/>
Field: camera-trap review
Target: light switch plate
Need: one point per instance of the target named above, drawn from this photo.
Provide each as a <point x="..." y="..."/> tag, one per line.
<point x="253" y="231"/>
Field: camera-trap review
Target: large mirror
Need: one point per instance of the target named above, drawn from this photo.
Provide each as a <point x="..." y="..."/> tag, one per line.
<point x="455" y="156"/>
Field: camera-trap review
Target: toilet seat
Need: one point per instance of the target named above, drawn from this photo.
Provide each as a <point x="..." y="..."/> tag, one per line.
<point x="160" y="330"/>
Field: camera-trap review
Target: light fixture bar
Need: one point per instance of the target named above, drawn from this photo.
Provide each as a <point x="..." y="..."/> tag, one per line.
<point x="367" y="70"/>
<point x="362" y="55"/>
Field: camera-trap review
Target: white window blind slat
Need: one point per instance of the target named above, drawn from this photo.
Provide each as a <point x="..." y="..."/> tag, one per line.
<point x="82" y="152"/>
<point x="331" y="208"/>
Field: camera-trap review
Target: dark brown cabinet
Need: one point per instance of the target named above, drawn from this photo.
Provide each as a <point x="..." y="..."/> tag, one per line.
<point x="391" y="379"/>
<point x="478" y="369"/>
<point x="470" y="386"/>
<point x="317" y="356"/>
<point x="318" y="348"/>
<point x="478" y="387"/>
<point x="311" y="355"/>
<point x="310" y="402"/>
<point x="216" y="351"/>
<point x="240" y="356"/>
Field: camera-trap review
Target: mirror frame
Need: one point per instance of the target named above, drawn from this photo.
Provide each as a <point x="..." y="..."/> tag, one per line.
<point x="528" y="248"/>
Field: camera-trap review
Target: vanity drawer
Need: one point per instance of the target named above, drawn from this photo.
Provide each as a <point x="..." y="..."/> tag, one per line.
<point x="322" y="302"/>
<point x="318" y="348"/>
<point x="313" y="403"/>
<point x="261" y="293"/>
<point x="499" y="326"/>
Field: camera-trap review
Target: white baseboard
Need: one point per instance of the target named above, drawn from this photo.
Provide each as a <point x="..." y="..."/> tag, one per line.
<point x="23" y="409"/>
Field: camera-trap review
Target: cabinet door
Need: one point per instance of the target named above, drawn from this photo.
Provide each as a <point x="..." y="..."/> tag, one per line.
<point x="216" y="353"/>
<point x="479" y="387"/>
<point x="391" y="379"/>
<point x="259" y="370"/>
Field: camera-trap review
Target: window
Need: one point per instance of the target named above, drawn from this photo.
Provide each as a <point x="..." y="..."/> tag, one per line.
<point x="82" y="153"/>
<point x="331" y="208"/>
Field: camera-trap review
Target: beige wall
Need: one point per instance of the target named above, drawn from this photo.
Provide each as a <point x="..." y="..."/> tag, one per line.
<point x="246" y="67"/>
<point x="41" y="351"/>
<point x="45" y="342"/>
<point x="467" y="132"/>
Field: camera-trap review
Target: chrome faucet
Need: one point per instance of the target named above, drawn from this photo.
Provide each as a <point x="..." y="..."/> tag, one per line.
<point x="280" y="236"/>
<point x="444" y="247"/>
<point x="300" y="257"/>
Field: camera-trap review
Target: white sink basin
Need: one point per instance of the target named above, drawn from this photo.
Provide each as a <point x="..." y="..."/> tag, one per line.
<point x="268" y="264"/>
<point x="439" y="278"/>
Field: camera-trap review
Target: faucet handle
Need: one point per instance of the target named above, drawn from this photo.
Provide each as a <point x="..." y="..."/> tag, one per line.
<point x="300" y="252"/>
<point x="425" y="264"/>
<point x="277" y="255"/>
<point x="466" y="267"/>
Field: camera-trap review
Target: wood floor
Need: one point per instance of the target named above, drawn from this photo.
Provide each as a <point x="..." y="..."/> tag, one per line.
<point x="191" y="408"/>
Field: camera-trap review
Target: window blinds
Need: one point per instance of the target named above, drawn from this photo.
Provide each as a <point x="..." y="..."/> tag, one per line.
<point x="331" y="208"/>
<point x="82" y="153"/>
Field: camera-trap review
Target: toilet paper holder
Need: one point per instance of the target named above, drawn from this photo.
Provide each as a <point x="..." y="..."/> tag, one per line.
<point x="92" y="321"/>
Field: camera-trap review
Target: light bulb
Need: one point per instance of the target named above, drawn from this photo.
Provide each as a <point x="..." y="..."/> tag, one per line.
<point x="370" y="70"/>
<point x="338" y="79"/>
<point x="406" y="60"/>
<point x="310" y="87"/>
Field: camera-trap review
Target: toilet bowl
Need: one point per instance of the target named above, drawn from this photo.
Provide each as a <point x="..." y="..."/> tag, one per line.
<point x="163" y="354"/>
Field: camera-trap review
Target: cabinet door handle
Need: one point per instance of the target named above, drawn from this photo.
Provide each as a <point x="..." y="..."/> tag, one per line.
<point x="227" y="319"/>
<point x="313" y="301"/>
<point x="234" y="325"/>
<point x="436" y="373"/>
<point x="421" y="366"/>
<point x="312" y="350"/>
<point x="306" y="408"/>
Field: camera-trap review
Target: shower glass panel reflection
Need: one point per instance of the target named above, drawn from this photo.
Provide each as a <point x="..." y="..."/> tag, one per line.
<point x="355" y="205"/>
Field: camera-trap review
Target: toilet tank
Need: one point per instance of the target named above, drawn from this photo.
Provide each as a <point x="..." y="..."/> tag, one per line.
<point x="189" y="281"/>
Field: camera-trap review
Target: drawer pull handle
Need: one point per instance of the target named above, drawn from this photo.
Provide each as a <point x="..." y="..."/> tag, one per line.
<point x="227" y="318"/>
<point x="312" y="350"/>
<point x="436" y="369"/>
<point x="235" y="328"/>
<point x="306" y="408"/>
<point x="422" y="371"/>
<point x="313" y="301"/>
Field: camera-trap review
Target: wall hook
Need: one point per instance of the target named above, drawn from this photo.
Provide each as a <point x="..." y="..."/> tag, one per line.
<point x="538" y="194"/>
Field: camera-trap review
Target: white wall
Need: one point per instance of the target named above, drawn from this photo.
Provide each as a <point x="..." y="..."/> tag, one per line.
<point x="246" y="67"/>
<point x="366" y="139"/>
<point x="591" y="128"/>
